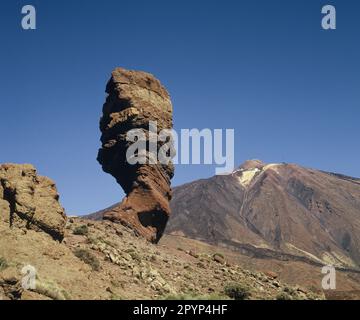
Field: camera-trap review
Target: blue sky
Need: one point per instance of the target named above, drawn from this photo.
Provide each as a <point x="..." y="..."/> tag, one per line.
<point x="265" y="68"/>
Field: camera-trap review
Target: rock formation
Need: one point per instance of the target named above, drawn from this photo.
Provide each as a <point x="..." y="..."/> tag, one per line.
<point x="28" y="201"/>
<point x="134" y="100"/>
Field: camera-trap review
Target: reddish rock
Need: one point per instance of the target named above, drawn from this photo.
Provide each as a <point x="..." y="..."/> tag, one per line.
<point x="134" y="99"/>
<point x="219" y="258"/>
<point x="271" y="274"/>
<point x="193" y="253"/>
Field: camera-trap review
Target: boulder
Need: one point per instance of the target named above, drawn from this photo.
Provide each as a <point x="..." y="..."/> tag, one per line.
<point x="29" y="201"/>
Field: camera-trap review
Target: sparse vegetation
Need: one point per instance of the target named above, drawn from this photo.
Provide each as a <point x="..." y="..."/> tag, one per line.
<point x="3" y="264"/>
<point x="217" y="254"/>
<point x="116" y="297"/>
<point x="191" y="296"/>
<point x="51" y="290"/>
<point x="219" y="258"/>
<point x="237" y="291"/>
<point x="134" y="255"/>
<point x="283" y="296"/>
<point x="82" y="230"/>
<point x="87" y="257"/>
<point x="289" y="290"/>
<point x="164" y="272"/>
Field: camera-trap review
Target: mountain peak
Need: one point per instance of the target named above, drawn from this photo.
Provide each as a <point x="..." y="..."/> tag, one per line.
<point x="252" y="164"/>
<point x="286" y="207"/>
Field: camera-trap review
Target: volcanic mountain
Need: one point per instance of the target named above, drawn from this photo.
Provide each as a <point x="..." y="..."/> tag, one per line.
<point x="281" y="211"/>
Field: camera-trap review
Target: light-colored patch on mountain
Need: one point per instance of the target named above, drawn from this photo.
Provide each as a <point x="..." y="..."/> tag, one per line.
<point x="308" y="254"/>
<point x="262" y="245"/>
<point x="247" y="176"/>
<point x="336" y="259"/>
<point x="273" y="166"/>
<point x="330" y="258"/>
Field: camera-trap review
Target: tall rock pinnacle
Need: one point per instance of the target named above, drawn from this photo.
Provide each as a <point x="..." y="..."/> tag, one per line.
<point x="134" y="100"/>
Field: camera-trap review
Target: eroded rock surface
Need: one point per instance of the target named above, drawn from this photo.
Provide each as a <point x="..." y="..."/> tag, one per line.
<point x="134" y="100"/>
<point x="29" y="201"/>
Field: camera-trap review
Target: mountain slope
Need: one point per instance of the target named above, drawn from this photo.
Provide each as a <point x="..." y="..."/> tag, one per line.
<point x="276" y="208"/>
<point x="103" y="260"/>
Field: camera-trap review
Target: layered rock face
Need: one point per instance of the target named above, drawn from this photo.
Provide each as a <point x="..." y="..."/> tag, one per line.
<point x="134" y="100"/>
<point x="29" y="201"/>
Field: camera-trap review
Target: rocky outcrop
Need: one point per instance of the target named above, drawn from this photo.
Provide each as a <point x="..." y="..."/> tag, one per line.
<point x="109" y="263"/>
<point x="28" y="201"/>
<point x="134" y="100"/>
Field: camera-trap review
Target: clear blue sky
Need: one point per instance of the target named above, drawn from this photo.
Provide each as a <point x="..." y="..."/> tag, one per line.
<point x="265" y="68"/>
